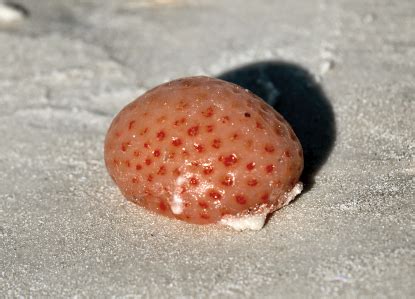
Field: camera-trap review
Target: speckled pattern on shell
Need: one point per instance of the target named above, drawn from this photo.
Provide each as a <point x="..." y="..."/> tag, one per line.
<point x="199" y="148"/>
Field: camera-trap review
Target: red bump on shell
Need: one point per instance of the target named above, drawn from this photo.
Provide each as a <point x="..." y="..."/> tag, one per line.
<point x="265" y="198"/>
<point x="161" y="135"/>
<point x="252" y="182"/>
<point x="269" y="168"/>
<point x="208" y="112"/>
<point x="193" y="131"/>
<point x="214" y="194"/>
<point x="269" y="148"/>
<point x="216" y="143"/>
<point x="198" y="147"/>
<point x="229" y="160"/>
<point x="162" y="170"/>
<point x="131" y="124"/>
<point x="207" y="169"/>
<point x="240" y="199"/>
<point x="176" y="141"/>
<point x="193" y="181"/>
<point x="250" y="166"/>
<point x="227" y="180"/>
<point x="203" y="204"/>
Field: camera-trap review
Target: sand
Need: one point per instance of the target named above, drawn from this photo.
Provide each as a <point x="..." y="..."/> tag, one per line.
<point x="342" y="72"/>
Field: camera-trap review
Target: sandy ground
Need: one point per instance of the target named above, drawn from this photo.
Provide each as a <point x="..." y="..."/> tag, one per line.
<point x="343" y="72"/>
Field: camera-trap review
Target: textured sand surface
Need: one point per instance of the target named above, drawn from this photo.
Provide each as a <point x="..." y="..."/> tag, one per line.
<point x="342" y="72"/>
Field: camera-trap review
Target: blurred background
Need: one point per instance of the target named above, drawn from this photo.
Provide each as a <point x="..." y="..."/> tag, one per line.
<point x="342" y="73"/>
